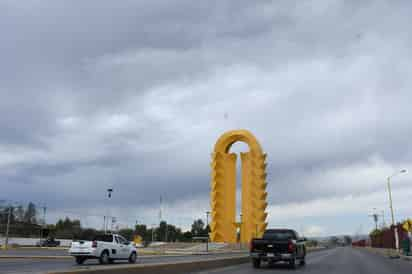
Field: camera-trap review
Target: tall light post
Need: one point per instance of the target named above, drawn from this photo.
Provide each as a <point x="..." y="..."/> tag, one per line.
<point x="44" y="222"/>
<point x="240" y="230"/>
<point x="166" y="232"/>
<point x="207" y="230"/>
<point x="391" y="207"/>
<point x="6" y="242"/>
<point x="106" y="219"/>
<point x="153" y="232"/>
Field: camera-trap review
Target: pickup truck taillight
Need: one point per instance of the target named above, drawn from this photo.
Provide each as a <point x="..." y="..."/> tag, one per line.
<point x="94" y="244"/>
<point x="291" y="247"/>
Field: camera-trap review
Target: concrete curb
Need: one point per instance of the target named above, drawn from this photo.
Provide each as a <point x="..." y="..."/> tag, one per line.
<point x="388" y="253"/>
<point x="169" y="268"/>
<point x="407" y="258"/>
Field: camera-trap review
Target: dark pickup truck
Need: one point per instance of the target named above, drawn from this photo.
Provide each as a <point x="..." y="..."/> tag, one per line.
<point x="50" y="242"/>
<point x="278" y="245"/>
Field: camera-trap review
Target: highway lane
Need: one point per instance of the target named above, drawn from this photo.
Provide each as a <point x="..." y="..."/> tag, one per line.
<point x="341" y="260"/>
<point x="36" y="266"/>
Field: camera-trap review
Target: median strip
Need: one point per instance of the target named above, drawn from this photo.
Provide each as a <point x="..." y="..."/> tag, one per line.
<point x="141" y="253"/>
<point x="46" y="257"/>
<point x="41" y="257"/>
<point x="169" y="268"/>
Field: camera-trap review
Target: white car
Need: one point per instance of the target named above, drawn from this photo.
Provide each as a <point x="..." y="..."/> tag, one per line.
<point x="106" y="248"/>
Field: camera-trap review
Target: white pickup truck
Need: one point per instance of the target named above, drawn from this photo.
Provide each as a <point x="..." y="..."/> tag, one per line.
<point x="106" y="248"/>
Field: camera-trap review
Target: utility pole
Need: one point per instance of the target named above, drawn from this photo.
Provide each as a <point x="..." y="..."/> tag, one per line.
<point x="6" y="243"/>
<point x="160" y="209"/>
<point x="383" y="219"/>
<point x="44" y="215"/>
<point x="207" y="230"/>
<point x="113" y="223"/>
<point x="395" y="227"/>
<point x="44" y="221"/>
<point x="375" y="217"/>
<point x="161" y="217"/>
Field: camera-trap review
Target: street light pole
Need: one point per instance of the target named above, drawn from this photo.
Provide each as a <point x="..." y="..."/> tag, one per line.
<point x="6" y="243"/>
<point x="395" y="228"/>
<point x="106" y="223"/>
<point x="240" y="231"/>
<point x="166" y="232"/>
<point x="153" y="231"/>
<point x="44" y="222"/>
<point x="207" y="230"/>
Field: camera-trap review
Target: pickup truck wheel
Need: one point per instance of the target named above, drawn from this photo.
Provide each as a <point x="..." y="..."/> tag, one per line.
<point x="104" y="258"/>
<point x="80" y="260"/>
<point x="292" y="263"/>
<point x="256" y="263"/>
<point x="132" y="258"/>
<point x="302" y="262"/>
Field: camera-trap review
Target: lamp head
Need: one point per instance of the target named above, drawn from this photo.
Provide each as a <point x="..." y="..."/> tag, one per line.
<point x="109" y="192"/>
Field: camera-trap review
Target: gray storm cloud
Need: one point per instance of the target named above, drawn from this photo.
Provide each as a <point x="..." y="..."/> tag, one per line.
<point x="134" y="95"/>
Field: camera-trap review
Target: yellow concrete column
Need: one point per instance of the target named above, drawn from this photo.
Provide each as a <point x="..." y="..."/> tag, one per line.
<point x="223" y="198"/>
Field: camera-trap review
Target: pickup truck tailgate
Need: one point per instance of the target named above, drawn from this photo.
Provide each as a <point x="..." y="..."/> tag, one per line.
<point x="270" y="246"/>
<point x="80" y="246"/>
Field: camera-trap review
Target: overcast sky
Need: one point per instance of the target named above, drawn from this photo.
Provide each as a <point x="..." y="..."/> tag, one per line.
<point x="134" y="94"/>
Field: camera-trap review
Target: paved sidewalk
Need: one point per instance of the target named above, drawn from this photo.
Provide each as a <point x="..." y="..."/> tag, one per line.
<point x="389" y="253"/>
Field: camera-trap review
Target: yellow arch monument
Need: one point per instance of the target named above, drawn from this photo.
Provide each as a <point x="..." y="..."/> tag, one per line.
<point x="223" y="189"/>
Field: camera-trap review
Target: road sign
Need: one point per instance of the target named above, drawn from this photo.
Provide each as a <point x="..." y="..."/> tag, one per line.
<point x="407" y="225"/>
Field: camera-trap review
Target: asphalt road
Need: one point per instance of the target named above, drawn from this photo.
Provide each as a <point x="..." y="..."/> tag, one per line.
<point x="36" y="266"/>
<point x="341" y="260"/>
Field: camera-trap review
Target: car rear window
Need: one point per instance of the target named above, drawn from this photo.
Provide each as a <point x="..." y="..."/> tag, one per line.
<point x="279" y="235"/>
<point x="104" y="238"/>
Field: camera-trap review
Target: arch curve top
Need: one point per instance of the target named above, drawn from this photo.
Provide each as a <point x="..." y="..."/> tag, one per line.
<point x="225" y="141"/>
